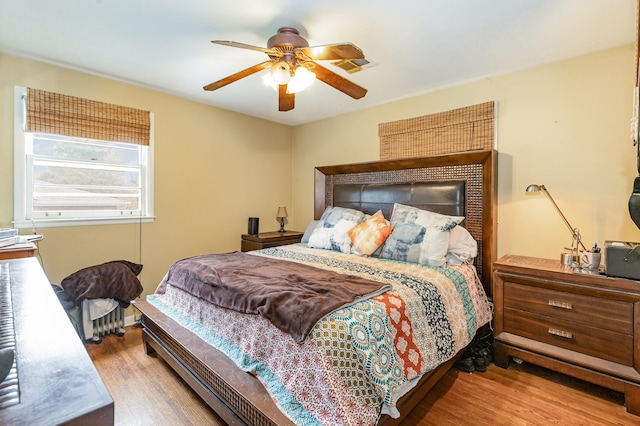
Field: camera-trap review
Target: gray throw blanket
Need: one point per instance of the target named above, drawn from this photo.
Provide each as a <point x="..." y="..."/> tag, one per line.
<point x="293" y="296"/>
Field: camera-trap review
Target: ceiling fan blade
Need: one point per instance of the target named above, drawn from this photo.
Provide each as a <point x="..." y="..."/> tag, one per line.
<point x="338" y="82"/>
<point x="269" y="52"/>
<point x="237" y="76"/>
<point x="333" y="52"/>
<point x="286" y="101"/>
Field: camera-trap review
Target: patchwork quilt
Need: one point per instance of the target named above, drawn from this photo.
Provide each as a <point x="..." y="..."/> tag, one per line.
<point x="357" y="361"/>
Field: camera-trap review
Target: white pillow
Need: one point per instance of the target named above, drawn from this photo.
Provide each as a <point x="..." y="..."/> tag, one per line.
<point x="463" y="248"/>
<point x="332" y="231"/>
<point x="307" y="233"/>
<point x="419" y="236"/>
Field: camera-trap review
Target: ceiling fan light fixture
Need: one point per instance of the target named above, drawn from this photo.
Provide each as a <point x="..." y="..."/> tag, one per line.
<point x="292" y="66"/>
<point x="280" y="72"/>
<point x="301" y="79"/>
<point x="268" y="81"/>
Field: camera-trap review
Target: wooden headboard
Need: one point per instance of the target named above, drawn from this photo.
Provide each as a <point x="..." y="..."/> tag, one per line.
<point x="463" y="184"/>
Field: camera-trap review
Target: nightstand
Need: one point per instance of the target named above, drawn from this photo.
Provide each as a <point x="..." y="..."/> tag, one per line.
<point x="269" y="239"/>
<point x="580" y="324"/>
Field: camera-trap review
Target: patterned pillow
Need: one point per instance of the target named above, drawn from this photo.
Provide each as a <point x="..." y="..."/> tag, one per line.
<point x="369" y="234"/>
<point x="419" y="236"/>
<point x="331" y="232"/>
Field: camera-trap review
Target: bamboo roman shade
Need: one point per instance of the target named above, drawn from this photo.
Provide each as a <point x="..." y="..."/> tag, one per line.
<point x="53" y="113"/>
<point x="462" y="129"/>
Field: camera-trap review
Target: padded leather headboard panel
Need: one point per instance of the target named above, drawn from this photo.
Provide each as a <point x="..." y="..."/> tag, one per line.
<point x="444" y="197"/>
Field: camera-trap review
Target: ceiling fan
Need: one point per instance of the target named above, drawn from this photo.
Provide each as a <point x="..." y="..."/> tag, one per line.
<point x="292" y="66"/>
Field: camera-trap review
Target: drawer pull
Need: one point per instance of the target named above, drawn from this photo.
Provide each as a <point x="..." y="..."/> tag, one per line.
<point x="560" y="333"/>
<point x="558" y="304"/>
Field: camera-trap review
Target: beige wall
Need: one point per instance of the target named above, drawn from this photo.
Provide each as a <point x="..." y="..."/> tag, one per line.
<point x="565" y="125"/>
<point x="213" y="169"/>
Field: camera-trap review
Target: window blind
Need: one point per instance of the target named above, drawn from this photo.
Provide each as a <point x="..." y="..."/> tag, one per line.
<point x="57" y="114"/>
<point x="463" y="129"/>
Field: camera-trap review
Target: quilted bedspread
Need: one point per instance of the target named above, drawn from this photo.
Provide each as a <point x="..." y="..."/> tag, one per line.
<point x="357" y="361"/>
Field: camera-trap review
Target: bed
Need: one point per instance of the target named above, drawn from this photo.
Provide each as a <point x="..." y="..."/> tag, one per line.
<point x="462" y="185"/>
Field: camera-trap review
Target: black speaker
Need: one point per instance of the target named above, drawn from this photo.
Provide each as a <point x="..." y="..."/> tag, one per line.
<point x="253" y="225"/>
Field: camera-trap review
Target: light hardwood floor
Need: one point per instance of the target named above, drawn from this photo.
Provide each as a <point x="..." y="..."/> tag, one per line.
<point x="147" y="392"/>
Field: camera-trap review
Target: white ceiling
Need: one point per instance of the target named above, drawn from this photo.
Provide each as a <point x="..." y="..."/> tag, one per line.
<point x="418" y="45"/>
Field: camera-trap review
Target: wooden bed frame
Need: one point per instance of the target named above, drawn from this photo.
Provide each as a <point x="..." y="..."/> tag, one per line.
<point x="239" y="398"/>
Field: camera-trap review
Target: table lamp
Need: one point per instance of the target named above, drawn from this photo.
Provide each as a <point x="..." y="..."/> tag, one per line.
<point x="282" y="214"/>
<point x="575" y="232"/>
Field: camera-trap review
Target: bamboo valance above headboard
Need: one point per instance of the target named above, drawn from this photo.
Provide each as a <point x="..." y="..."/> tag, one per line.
<point x="458" y="130"/>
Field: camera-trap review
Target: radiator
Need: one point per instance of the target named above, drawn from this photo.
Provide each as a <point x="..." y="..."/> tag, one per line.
<point x="111" y="323"/>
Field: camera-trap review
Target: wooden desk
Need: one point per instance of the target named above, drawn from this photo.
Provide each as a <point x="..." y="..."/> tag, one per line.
<point x="58" y="382"/>
<point x="17" y="251"/>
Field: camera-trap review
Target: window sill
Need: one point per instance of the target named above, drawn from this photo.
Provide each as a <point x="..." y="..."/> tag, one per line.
<point x="98" y="221"/>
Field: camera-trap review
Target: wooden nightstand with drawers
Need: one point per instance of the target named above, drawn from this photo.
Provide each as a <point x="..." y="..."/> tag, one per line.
<point x="580" y="324"/>
<point x="269" y="239"/>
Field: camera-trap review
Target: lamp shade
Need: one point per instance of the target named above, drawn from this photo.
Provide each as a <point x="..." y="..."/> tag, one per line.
<point x="280" y="72"/>
<point x="282" y="212"/>
<point x="535" y="188"/>
<point x="302" y="78"/>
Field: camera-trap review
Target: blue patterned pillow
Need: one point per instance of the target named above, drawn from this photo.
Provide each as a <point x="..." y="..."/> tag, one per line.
<point x="332" y="231"/>
<point x="419" y="236"/>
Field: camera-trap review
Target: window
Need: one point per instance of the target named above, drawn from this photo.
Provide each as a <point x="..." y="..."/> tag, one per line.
<point x="63" y="180"/>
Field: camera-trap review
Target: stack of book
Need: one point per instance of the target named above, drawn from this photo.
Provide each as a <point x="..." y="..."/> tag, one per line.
<point x="8" y="236"/>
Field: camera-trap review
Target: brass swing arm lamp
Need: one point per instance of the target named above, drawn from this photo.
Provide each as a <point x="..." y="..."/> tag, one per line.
<point x="574" y="233"/>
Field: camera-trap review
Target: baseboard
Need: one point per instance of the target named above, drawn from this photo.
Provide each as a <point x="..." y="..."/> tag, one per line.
<point x="129" y="320"/>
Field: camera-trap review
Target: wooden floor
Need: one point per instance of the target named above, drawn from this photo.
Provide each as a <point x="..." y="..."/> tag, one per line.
<point x="147" y="392"/>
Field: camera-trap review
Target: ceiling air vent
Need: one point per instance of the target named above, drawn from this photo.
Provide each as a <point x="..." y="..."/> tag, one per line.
<point x="354" y="65"/>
